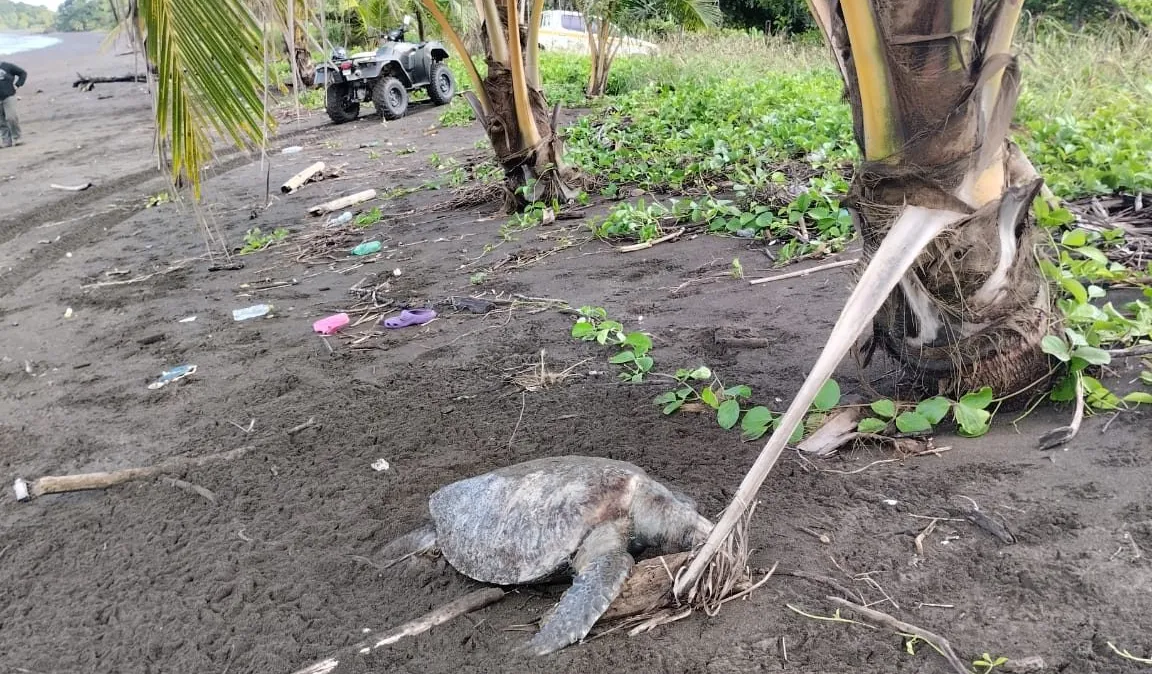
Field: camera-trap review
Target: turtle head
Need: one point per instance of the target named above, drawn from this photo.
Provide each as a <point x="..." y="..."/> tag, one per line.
<point x="666" y="520"/>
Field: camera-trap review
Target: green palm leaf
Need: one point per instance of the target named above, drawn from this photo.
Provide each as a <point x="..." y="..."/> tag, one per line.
<point x="205" y="83"/>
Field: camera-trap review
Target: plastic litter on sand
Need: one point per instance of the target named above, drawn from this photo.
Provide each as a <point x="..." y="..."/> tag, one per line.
<point x="255" y="311"/>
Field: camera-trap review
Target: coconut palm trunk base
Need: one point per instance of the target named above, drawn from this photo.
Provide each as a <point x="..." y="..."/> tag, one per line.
<point x="540" y="167"/>
<point x="305" y="68"/>
<point x="973" y="310"/>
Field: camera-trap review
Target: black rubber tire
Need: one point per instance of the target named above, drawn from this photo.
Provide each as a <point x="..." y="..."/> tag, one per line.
<point x="390" y="98"/>
<point x="443" y="84"/>
<point x="340" y="110"/>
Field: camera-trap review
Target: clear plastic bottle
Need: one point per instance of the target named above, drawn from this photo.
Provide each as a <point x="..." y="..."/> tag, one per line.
<point x="344" y="219"/>
<point x="255" y="311"/>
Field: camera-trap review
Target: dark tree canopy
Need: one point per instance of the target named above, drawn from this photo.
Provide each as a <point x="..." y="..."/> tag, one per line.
<point x="791" y="16"/>
<point x="84" y="15"/>
<point x="22" y="16"/>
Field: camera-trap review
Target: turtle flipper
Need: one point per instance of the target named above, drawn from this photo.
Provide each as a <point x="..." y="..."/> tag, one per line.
<point x="415" y="542"/>
<point x="602" y="564"/>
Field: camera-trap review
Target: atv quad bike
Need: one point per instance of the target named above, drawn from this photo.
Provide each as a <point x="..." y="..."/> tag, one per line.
<point x="385" y="77"/>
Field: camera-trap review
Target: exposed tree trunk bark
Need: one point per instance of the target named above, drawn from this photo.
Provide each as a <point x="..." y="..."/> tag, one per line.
<point x="296" y="43"/>
<point x="933" y="86"/>
<point x="530" y="151"/>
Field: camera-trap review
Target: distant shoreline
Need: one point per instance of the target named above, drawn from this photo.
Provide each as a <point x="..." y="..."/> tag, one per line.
<point x="20" y="42"/>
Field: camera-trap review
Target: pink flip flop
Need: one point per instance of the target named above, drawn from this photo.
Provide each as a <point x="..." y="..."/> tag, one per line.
<point x="410" y="317"/>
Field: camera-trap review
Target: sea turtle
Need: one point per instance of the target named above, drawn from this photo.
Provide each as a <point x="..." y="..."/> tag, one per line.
<point x="537" y="520"/>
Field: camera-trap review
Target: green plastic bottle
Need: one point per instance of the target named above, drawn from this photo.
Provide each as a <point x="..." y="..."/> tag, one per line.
<point x="367" y="248"/>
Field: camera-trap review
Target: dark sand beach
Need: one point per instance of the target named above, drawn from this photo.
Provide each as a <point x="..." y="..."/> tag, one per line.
<point x="276" y="569"/>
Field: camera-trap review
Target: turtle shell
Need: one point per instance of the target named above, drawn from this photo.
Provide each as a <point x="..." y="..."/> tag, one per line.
<point x="523" y="523"/>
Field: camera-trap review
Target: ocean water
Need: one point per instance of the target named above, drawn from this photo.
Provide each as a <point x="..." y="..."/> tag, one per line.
<point x="12" y="44"/>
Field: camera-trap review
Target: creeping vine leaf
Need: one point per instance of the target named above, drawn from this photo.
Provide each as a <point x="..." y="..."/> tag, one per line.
<point x="884" y="408"/>
<point x="757" y="422"/>
<point x="728" y="413"/>
<point x="828" y="396"/>
<point x="912" y="422"/>
<point x="871" y="425"/>
<point x="934" y="409"/>
<point x="973" y="421"/>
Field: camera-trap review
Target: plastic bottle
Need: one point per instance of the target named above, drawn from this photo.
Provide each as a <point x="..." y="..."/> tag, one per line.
<point x="367" y="248"/>
<point x="344" y="219"/>
<point x="292" y="150"/>
<point x="255" y="311"/>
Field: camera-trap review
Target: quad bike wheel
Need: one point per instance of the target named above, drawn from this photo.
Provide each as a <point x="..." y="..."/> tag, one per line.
<point x="442" y="84"/>
<point x="340" y="105"/>
<point x="390" y="98"/>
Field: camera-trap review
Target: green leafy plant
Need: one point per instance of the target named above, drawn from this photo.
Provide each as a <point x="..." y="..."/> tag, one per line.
<point x="158" y="199"/>
<point x="255" y="240"/>
<point x="593" y="326"/>
<point x="369" y="218"/>
<point x="634" y="356"/>
<point x="986" y="663"/>
<point x="969" y="412"/>
<point x="1090" y="324"/>
<point x="458" y="113"/>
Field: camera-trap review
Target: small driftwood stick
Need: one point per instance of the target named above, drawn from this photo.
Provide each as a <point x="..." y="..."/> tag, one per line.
<point x="936" y="640"/>
<point x="466" y="604"/>
<point x="648" y="244"/>
<point x="343" y="202"/>
<point x="300" y="179"/>
<point x="839" y="429"/>
<point x="802" y="272"/>
<point x="55" y="484"/>
<point x="1058" y="436"/>
<point x="1138" y="350"/>
<point x="71" y="188"/>
<point x="300" y="427"/>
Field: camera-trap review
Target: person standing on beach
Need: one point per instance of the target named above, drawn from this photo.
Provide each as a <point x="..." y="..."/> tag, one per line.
<point x="12" y="77"/>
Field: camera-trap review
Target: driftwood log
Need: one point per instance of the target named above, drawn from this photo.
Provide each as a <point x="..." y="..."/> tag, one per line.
<point x="343" y="202"/>
<point x="55" y="484"/>
<point x="302" y="178"/>
<point x="85" y="83"/>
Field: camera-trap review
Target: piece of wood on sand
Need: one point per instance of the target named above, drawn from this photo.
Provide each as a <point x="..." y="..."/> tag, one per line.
<point x="55" y="484"/>
<point x="648" y="244"/>
<point x="646" y="599"/>
<point x="802" y="272"/>
<point x="343" y="202"/>
<point x="302" y="178"/>
<point x="85" y="83"/>
<point x="453" y="609"/>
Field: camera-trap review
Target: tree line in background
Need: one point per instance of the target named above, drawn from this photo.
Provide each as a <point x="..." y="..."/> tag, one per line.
<point x="72" y="16"/>
<point x="351" y="21"/>
<point x="22" y="16"/>
<point x="792" y="16"/>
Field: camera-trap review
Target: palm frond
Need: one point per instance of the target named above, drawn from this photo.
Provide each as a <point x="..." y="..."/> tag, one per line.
<point x="692" y="14"/>
<point x="205" y="83"/>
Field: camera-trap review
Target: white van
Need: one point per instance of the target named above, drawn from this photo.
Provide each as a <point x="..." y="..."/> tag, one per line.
<point x="565" y="31"/>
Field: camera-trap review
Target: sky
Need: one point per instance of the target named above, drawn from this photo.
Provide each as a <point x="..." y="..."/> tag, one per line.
<point x="50" y="4"/>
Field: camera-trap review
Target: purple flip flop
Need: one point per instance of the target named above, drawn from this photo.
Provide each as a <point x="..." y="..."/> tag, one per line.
<point x="410" y="317"/>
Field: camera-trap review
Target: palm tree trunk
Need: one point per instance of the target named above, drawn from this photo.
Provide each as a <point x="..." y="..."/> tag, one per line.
<point x="933" y="86"/>
<point x="297" y="47"/>
<point x="511" y="107"/>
